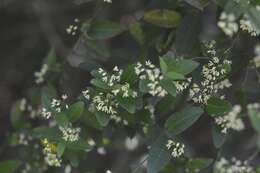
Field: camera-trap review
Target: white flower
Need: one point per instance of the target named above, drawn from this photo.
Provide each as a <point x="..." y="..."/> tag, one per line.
<point x="153" y="75"/>
<point x="105" y="103"/>
<point x="86" y="94"/>
<point x="176" y="147"/>
<point x="108" y="171"/>
<point x="231" y="120"/>
<point x="73" y="28"/>
<point x="70" y="134"/>
<point x="45" y="114"/>
<point x="227" y="22"/>
<point x="131" y="143"/>
<point x="22" y="105"/>
<point x="50" y="155"/>
<point x="108" y="1"/>
<point x="56" y="104"/>
<point x="39" y="76"/>
<point x="101" y="151"/>
<point x="233" y="166"/>
<point x="248" y="26"/>
<point x="64" y="96"/>
<point x="212" y="81"/>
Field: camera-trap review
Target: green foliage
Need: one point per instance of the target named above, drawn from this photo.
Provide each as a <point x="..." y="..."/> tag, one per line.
<point x="163" y="18"/>
<point x="9" y="166"/>
<point x="180" y="121"/>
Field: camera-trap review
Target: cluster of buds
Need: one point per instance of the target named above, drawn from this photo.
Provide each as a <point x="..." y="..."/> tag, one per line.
<point x="70" y="134"/>
<point x="72" y="29"/>
<point x="50" y="154"/>
<point x="227" y="22"/>
<point x="39" y="75"/>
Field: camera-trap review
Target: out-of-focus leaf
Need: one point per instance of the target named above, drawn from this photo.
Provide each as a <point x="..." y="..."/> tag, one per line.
<point x="99" y="83"/>
<point x="50" y="133"/>
<point x="61" y="119"/>
<point x="137" y="33"/>
<point x="199" y="4"/>
<point x="48" y="93"/>
<point x="253" y="15"/>
<point x="163" y="18"/>
<point x="217" y="106"/>
<point x="128" y="104"/>
<point x="187" y="34"/>
<point x="74" y="112"/>
<point x="102" y="118"/>
<point x="180" y="121"/>
<point x="79" y="145"/>
<point x="60" y="149"/>
<point x="159" y="155"/>
<point x="16" y="114"/>
<point x="254" y="116"/>
<point x="195" y="165"/>
<point x="102" y="29"/>
<point x="218" y="137"/>
<point x="9" y="166"/>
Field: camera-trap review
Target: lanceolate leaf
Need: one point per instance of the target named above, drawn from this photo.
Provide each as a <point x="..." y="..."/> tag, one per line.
<point x="102" y="29"/>
<point x="254" y="116"/>
<point x="159" y="155"/>
<point x="163" y="18"/>
<point x="182" y="120"/>
<point x="74" y="112"/>
<point x="218" y="137"/>
<point x="217" y="106"/>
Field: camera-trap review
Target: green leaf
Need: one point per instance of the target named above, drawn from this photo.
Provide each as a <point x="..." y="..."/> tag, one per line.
<point x="16" y="115"/>
<point x="178" y="68"/>
<point x="99" y="83"/>
<point x="254" y="116"/>
<point x="159" y="156"/>
<point x="48" y="93"/>
<point x="79" y="145"/>
<point x="74" y="112"/>
<point x="169" y="86"/>
<point x="218" y="137"/>
<point x="163" y="66"/>
<point x="143" y="86"/>
<point x="128" y="104"/>
<point x="253" y="15"/>
<point x="50" y="133"/>
<point x="102" y="118"/>
<point x="61" y="119"/>
<point x="174" y="75"/>
<point x="9" y="166"/>
<point x="102" y="29"/>
<point x="217" y="106"/>
<point x="180" y="121"/>
<point x="129" y="74"/>
<point x="60" y="148"/>
<point x="195" y="165"/>
<point x="137" y="33"/>
<point x="163" y="18"/>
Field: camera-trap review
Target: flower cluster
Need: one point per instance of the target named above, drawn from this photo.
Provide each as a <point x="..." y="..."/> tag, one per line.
<point x="182" y="85"/>
<point x="70" y="134"/>
<point x="72" y="29"/>
<point x="228" y="23"/>
<point x="248" y="26"/>
<point x="233" y="166"/>
<point x="231" y="120"/>
<point x="50" y="154"/>
<point x="153" y="75"/>
<point x="45" y="114"/>
<point x="107" y="101"/>
<point x="213" y="81"/>
<point x="176" y="147"/>
<point x="25" y="106"/>
<point x="39" y="75"/>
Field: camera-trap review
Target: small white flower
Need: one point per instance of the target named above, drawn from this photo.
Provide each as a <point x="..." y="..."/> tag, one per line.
<point x="22" y="105"/>
<point x="101" y="151"/>
<point x="108" y="171"/>
<point x="131" y="143"/>
<point x="86" y="94"/>
<point x="39" y="76"/>
<point x="228" y="23"/>
<point x="64" y="96"/>
<point x="231" y="120"/>
<point x="50" y="156"/>
<point x="70" y="134"/>
<point x="176" y="147"/>
<point x="45" y="114"/>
